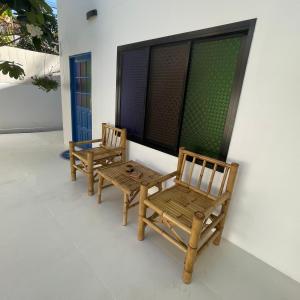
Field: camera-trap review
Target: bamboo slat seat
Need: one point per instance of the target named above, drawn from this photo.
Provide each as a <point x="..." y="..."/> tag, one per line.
<point x="100" y="153"/>
<point x="197" y="204"/>
<point x="181" y="203"/>
<point x="111" y="150"/>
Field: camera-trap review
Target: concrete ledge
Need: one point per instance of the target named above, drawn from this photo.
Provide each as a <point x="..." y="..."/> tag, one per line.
<point x="28" y="130"/>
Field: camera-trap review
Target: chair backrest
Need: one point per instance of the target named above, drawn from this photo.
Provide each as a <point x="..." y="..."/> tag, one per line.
<point x="113" y="137"/>
<point x="209" y="176"/>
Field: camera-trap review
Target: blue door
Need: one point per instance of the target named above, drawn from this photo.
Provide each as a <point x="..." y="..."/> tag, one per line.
<point x="80" y="71"/>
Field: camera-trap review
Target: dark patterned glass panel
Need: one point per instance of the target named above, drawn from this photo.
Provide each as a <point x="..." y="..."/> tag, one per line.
<point x="168" y="69"/>
<point x="212" y="70"/>
<point x="133" y="91"/>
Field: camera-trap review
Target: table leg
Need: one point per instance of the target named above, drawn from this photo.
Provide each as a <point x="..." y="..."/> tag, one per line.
<point x="100" y="186"/>
<point x="125" y="209"/>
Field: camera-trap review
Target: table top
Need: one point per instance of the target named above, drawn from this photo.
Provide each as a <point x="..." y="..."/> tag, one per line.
<point x="117" y="175"/>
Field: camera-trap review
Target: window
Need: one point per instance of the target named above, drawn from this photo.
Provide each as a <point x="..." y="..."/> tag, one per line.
<point x="211" y="75"/>
<point x="183" y="90"/>
<point x="168" y="67"/>
<point x="133" y="93"/>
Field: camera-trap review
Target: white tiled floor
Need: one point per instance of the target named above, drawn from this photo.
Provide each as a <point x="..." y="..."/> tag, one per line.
<point x="56" y="243"/>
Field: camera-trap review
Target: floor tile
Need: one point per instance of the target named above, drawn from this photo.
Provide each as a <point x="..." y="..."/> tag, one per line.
<point x="57" y="243"/>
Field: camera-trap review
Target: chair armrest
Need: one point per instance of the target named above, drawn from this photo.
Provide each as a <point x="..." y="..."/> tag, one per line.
<point x="160" y="180"/>
<point x="87" y="142"/>
<point x="219" y="201"/>
<point x="114" y="148"/>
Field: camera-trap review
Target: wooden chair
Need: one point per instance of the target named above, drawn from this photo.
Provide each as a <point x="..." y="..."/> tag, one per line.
<point x="196" y="205"/>
<point x="111" y="149"/>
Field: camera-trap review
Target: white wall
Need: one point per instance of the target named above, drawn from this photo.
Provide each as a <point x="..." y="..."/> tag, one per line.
<point x="24" y="107"/>
<point x="264" y="215"/>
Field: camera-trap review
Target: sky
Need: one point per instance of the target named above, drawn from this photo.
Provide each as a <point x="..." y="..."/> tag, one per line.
<point x="52" y="4"/>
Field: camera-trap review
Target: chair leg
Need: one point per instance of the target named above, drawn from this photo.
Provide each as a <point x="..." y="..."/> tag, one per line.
<point x="125" y="209"/>
<point x="100" y="187"/>
<point x="90" y="173"/>
<point x="191" y="254"/>
<point x="123" y="156"/>
<point x="220" y="226"/>
<point x="72" y="161"/>
<point x="142" y="213"/>
<point x="230" y="184"/>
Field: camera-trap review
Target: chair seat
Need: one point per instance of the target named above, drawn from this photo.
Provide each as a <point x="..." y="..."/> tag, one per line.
<point x="181" y="203"/>
<point x="99" y="153"/>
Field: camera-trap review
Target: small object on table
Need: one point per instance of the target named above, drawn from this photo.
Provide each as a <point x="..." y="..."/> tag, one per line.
<point x="135" y="174"/>
<point x="128" y="177"/>
<point x="129" y="168"/>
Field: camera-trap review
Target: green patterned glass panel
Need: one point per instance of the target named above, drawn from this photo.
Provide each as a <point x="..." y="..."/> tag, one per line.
<point x="212" y="69"/>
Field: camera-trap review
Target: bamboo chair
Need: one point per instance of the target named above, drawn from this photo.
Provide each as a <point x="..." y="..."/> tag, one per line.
<point x="195" y="205"/>
<point x="111" y="149"/>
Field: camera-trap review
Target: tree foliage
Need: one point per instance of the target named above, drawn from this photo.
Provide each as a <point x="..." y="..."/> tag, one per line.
<point x="11" y="68"/>
<point x="45" y="83"/>
<point x="28" y="24"/>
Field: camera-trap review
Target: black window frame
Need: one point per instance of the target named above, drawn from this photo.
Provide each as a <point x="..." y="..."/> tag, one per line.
<point x="245" y="28"/>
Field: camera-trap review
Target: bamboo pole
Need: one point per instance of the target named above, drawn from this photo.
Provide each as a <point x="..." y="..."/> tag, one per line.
<point x="72" y="161"/>
<point x="103" y="134"/>
<point x="160" y="180"/>
<point x="142" y="212"/>
<point x="184" y="184"/>
<point x="87" y="142"/>
<point x="107" y="131"/>
<point x="191" y="170"/>
<point x="211" y="226"/>
<point x="152" y="206"/>
<point x="201" y="174"/>
<point x="211" y="239"/>
<point x="100" y="187"/>
<point x="211" y="179"/>
<point x="167" y="217"/>
<point x="232" y="176"/>
<point x="179" y="163"/>
<point x="183" y="163"/>
<point x="229" y="189"/>
<point x="79" y="157"/>
<point x="133" y="205"/>
<point x="122" y="144"/>
<point x="80" y="168"/>
<point x="125" y="209"/>
<point x="116" y="139"/>
<point x="191" y="254"/>
<point x="180" y="245"/>
<point x="223" y="181"/>
<point x="208" y="159"/>
<point x="113" y="132"/>
<point x="90" y="173"/>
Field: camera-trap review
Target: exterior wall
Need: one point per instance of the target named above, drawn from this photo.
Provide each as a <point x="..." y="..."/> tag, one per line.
<point x="264" y="215"/>
<point x="24" y="107"/>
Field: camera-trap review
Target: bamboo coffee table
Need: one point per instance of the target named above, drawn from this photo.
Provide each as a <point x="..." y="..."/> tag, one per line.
<point x="117" y="175"/>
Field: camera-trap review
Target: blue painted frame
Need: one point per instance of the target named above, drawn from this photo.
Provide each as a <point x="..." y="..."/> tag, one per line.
<point x="81" y="116"/>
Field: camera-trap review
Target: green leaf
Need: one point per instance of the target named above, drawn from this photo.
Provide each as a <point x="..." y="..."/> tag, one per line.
<point x="13" y="69"/>
<point x="45" y="83"/>
<point x="37" y="43"/>
<point x="40" y="19"/>
<point x="31" y="17"/>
